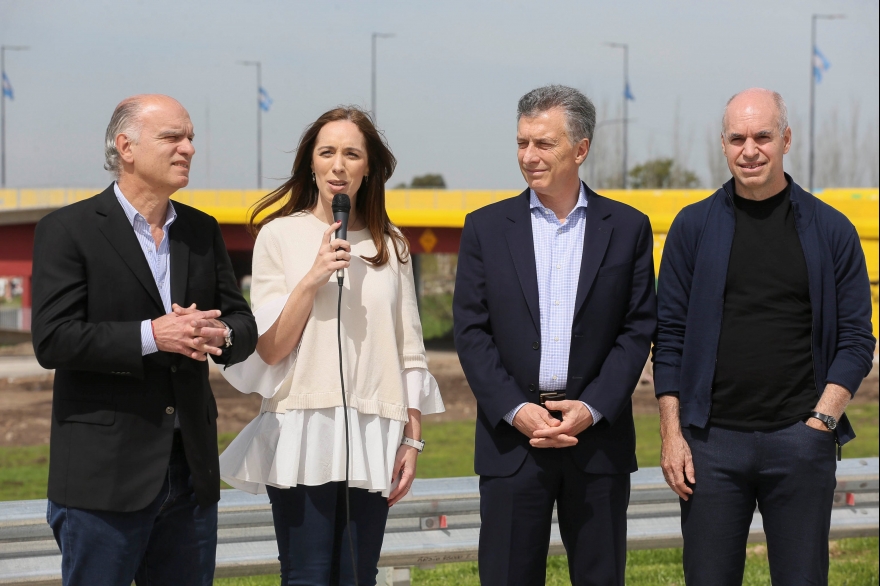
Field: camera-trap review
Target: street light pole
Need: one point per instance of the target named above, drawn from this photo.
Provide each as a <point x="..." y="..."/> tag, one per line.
<point x="259" y="67"/>
<point x="373" y="71"/>
<point x="3" y="49"/>
<point x="625" y="48"/>
<point x="813" y="88"/>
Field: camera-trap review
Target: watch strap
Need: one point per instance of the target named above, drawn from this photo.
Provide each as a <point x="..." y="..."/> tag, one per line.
<point x="829" y="421"/>
<point x="417" y="444"/>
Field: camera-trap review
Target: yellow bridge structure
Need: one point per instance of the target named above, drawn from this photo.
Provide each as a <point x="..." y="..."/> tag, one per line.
<point x="432" y="219"/>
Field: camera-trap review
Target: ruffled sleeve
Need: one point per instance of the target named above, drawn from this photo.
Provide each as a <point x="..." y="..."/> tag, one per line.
<point x="422" y="392"/>
<point x="253" y="375"/>
<point x="269" y="295"/>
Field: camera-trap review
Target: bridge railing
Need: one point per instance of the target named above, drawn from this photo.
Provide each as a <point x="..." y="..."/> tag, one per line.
<point x="438" y="522"/>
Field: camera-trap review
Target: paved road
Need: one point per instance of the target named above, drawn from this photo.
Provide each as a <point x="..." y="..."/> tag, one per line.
<point x="18" y="366"/>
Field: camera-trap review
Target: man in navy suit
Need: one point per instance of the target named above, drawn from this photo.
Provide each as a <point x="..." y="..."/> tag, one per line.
<point x="554" y="304"/>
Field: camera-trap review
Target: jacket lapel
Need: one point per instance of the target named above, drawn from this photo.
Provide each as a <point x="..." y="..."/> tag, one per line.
<point x="518" y="232"/>
<point x="179" y="261"/>
<point x="597" y="235"/>
<point x="118" y="231"/>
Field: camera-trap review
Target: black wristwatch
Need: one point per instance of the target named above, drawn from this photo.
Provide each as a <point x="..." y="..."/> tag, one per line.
<point x="829" y="421"/>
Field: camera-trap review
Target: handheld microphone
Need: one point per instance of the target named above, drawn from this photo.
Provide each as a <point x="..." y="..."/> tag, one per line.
<point x="341" y="208"/>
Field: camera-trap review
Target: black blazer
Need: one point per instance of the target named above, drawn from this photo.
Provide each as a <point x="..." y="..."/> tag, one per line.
<point x="497" y="328"/>
<point x="113" y="410"/>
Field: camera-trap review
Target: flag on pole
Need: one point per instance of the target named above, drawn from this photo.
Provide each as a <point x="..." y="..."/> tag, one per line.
<point x="265" y="100"/>
<point x="627" y="93"/>
<point x="820" y="64"/>
<point x="7" y="88"/>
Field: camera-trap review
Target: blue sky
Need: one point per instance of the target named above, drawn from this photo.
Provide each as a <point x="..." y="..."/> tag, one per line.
<point x="448" y="82"/>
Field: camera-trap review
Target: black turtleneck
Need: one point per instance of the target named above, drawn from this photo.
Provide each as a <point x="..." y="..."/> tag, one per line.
<point x="764" y="368"/>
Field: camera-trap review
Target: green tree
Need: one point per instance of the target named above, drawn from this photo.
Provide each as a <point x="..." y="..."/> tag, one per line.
<point x="662" y="174"/>
<point x="428" y="181"/>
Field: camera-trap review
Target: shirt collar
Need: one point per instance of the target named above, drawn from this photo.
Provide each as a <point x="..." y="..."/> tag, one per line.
<point x="535" y="203"/>
<point x="132" y="214"/>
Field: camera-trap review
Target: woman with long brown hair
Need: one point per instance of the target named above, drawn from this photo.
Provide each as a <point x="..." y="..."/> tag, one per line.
<point x="295" y="450"/>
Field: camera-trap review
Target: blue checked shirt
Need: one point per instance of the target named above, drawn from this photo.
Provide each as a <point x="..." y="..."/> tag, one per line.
<point x="159" y="261"/>
<point x="558" y="251"/>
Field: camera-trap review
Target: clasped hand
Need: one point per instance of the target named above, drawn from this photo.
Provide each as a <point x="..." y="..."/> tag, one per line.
<point x="545" y="431"/>
<point x="190" y="332"/>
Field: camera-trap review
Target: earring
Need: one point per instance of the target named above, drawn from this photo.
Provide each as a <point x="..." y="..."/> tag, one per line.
<point x="313" y="178"/>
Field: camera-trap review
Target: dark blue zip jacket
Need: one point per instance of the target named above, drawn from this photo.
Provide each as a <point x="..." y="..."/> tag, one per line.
<point x="690" y="300"/>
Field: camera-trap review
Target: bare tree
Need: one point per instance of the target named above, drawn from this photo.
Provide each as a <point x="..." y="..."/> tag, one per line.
<point x="846" y="152"/>
<point x="795" y="160"/>
<point x="602" y="169"/>
<point x="718" y="171"/>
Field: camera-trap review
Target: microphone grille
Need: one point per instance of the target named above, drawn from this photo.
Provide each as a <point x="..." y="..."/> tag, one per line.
<point x="341" y="203"/>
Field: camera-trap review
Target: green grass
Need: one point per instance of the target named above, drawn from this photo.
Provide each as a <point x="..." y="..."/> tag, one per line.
<point x="853" y="563"/>
<point x="23" y="474"/>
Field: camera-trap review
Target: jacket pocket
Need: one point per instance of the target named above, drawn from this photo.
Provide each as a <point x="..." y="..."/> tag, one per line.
<point x="85" y="412"/>
<point x="626" y="267"/>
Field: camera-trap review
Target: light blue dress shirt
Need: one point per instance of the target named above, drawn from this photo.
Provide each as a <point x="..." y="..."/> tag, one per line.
<point x="558" y="250"/>
<point x="158" y="259"/>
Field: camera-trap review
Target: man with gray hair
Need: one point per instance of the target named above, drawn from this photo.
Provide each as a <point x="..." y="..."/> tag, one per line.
<point x="554" y="312"/>
<point x="131" y="295"/>
<point x="764" y="335"/>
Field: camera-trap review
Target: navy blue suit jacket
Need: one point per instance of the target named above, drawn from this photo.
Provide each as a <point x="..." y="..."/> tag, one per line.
<point x="497" y="328"/>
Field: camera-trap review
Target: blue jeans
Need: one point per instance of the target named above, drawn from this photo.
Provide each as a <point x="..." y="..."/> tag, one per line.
<point x="312" y="538"/>
<point x="789" y="473"/>
<point x="173" y="541"/>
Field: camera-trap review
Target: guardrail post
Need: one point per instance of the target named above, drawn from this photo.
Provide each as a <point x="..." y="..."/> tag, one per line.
<point x="393" y="577"/>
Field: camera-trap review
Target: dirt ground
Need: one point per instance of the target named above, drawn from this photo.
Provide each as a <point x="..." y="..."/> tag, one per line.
<point x="26" y="402"/>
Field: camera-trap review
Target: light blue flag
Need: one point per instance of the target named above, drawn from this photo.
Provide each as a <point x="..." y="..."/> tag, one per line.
<point x="627" y="93"/>
<point x="7" y="88"/>
<point x="820" y="64"/>
<point x="265" y="100"/>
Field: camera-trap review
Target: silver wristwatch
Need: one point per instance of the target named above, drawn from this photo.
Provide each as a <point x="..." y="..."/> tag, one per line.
<point x="227" y="337"/>
<point x="418" y="445"/>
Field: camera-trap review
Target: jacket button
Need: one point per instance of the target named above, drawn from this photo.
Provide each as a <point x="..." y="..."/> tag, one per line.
<point x="173" y="369"/>
<point x="536" y="345"/>
<point x="532" y="387"/>
<point x="169" y="410"/>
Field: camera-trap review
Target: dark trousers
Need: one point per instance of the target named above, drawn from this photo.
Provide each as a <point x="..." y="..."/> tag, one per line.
<point x="789" y="473"/>
<point x="516" y="513"/>
<point x="172" y="542"/>
<point x="313" y="543"/>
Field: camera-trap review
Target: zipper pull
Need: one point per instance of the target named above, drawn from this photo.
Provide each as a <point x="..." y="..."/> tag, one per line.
<point x="839" y="449"/>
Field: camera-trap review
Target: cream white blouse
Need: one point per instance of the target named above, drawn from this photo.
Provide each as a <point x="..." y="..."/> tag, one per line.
<point x="307" y="446"/>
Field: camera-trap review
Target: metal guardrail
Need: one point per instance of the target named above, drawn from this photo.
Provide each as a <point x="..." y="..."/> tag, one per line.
<point x="438" y="522"/>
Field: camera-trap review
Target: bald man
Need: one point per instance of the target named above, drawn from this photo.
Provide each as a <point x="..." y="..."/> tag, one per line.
<point x="764" y="335"/>
<point x="131" y="295"/>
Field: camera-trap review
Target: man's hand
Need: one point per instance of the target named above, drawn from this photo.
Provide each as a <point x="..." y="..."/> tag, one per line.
<point x="189" y="332"/>
<point x="677" y="463"/>
<point x="816" y="424"/>
<point x="575" y="419"/>
<point x="531" y="418"/>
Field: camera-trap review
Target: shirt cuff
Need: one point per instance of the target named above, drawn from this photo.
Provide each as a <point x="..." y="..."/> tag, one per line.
<point x="422" y="392"/>
<point x="148" y="343"/>
<point x="512" y="413"/>
<point x="597" y="417"/>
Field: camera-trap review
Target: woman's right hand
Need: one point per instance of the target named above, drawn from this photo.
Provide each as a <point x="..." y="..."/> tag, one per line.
<point x="333" y="255"/>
